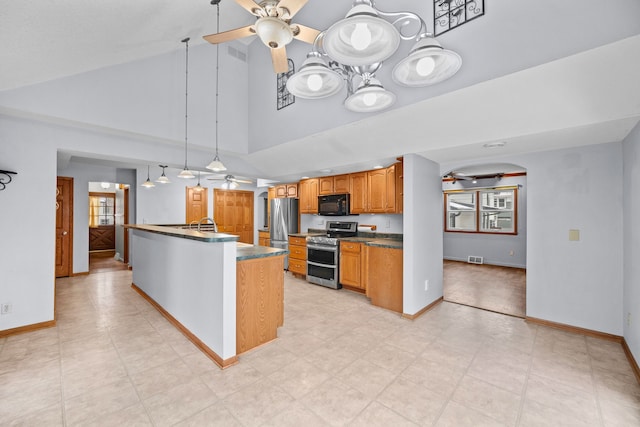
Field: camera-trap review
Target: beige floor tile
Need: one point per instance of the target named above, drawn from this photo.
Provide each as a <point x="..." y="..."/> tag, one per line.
<point x="378" y="415"/>
<point x="79" y="378"/>
<point x="228" y="381"/>
<point x="216" y="415"/>
<point x="135" y="415"/>
<point x="439" y="377"/>
<point x="161" y="378"/>
<point x="502" y="375"/>
<point x="99" y="402"/>
<point x="180" y="402"/>
<point x="366" y="377"/>
<point x="389" y="357"/>
<point x="535" y="414"/>
<point x="299" y="378"/>
<point x="412" y="401"/>
<point x="457" y="415"/>
<point x="295" y="415"/>
<point x="488" y="399"/>
<point x="269" y="358"/>
<point x="258" y="403"/>
<point x="335" y="402"/>
<point x="50" y="417"/>
<point x="616" y="414"/>
<point x="576" y="376"/>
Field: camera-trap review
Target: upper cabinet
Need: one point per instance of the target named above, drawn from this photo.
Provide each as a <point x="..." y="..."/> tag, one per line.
<point x="286" y="190"/>
<point x="308" y="192"/>
<point x="374" y="191"/>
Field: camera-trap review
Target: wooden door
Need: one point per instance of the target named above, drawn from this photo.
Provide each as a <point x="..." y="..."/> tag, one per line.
<point x="197" y="204"/>
<point x="341" y="184"/>
<point x="358" y="190"/>
<point x="64" y="226"/>
<point x="234" y="213"/>
<point x="308" y="192"/>
<point x="247" y="222"/>
<point x="390" y="193"/>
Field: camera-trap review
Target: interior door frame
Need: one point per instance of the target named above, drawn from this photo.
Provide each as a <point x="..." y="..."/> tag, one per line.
<point x="125" y="255"/>
<point x="69" y="260"/>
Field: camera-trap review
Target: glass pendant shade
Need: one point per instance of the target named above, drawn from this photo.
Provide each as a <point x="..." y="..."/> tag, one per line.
<point x="163" y="179"/>
<point x="273" y="32"/>
<point x="216" y="165"/>
<point x="427" y="63"/>
<point x="148" y="183"/>
<point x="369" y="97"/>
<point x="315" y="79"/>
<point x="361" y="38"/>
<point x="186" y="174"/>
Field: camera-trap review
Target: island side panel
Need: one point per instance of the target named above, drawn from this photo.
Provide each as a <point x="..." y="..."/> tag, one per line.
<point x="259" y="301"/>
<point x="193" y="281"/>
<point x="384" y="277"/>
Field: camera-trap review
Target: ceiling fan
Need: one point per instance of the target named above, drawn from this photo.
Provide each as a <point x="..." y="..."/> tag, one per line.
<point x="273" y="26"/>
<point x="230" y="181"/>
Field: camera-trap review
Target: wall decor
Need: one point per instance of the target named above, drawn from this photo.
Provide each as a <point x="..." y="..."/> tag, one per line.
<point x="285" y="98"/>
<point x="5" y="178"/>
<point x="449" y="14"/>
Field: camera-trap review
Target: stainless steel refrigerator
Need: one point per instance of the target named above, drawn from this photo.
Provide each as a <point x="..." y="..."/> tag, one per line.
<point x="284" y="221"/>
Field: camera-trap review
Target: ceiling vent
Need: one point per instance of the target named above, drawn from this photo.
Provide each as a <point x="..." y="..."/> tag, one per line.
<point x="475" y="259"/>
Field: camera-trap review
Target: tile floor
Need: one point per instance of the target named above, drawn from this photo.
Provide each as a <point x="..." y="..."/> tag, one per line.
<point x="113" y="360"/>
<point x="490" y="287"/>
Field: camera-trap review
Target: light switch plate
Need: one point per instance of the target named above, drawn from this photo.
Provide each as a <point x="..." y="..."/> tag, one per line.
<point x="574" y="235"/>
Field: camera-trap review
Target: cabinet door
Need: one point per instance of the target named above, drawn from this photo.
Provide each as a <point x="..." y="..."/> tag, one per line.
<point x="350" y="269"/>
<point x="326" y="185"/>
<point x="292" y="190"/>
<point x="341" y="184"/>
<point x="399" y="187"/>
<point x="376" y="185"/>
<point x="308" y="192"/>
<point x="390" y="190"/>
<point x="281" y="191"/>
<point x="358" y="191"/>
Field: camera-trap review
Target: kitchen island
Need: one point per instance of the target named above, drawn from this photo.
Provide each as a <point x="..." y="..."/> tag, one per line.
<point x="225" y="296"/>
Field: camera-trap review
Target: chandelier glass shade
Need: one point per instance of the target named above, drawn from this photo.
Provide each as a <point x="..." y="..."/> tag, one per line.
<point x="353" y="49"/>
<point x="273" y="32"/>
<point x="163" y="179"/>
<point x="148" y="183"/>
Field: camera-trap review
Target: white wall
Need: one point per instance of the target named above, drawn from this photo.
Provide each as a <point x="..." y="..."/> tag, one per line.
<point x="386" y="223"/>
<point x="495" y="248"/>
<point x="631" y="292"/>
<point x="422" y="257"/>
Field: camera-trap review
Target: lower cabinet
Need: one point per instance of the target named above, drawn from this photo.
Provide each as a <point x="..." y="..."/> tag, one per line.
<point x="298" y="255"/>
<point x="351" y="265"/>
<point x="384" y="270"/>
<point x="264" y="238"/>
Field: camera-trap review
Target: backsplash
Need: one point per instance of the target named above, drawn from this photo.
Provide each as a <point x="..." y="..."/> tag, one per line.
<point x="385" y="223"/>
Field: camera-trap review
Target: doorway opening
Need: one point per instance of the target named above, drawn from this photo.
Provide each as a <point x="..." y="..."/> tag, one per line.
<point x="485" y="226"/>
<point x="108" y="240"/>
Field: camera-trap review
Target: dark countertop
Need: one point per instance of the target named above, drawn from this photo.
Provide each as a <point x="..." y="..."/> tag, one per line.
<point x="377" y="242"/>
<point x="184" y="233"/>
<point x="306" y="234"/>
<point x="246" y="251"/>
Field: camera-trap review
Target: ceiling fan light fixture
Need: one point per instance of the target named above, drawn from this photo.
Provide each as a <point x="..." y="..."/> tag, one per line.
<point x="427" y="63"/>
<point x="315" y="79"/>
<point x="273" y="32"/>
<point x="370" y="96"/>
<point x="362" y="37"/>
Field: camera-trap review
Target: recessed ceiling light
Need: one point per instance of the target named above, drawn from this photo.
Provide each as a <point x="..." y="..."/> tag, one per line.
<point x="304" y="177"/>
<point x="325" y="170"/>
<point x="498" y="144"/>
<point x="378" y="167"/>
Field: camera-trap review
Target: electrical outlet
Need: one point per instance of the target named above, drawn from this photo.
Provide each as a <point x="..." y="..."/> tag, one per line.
<point x="426" y="285"/>
<point x="511" y="253"/>
<point x="5" y="308"/>
<point x="628" y="319"/>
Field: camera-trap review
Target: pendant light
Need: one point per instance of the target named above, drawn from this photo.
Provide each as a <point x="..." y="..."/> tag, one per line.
<point x="216" y="164"/>
<point x="148" y="183"/>
<point x="198" y="187"/>
<point x="186" y="173"/>
<point x="163" y="179"/>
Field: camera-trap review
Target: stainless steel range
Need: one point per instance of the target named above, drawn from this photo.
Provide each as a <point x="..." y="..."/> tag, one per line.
<point x="323" y="254"/>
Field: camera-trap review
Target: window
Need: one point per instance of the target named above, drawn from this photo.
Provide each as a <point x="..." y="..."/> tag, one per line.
<point x="496" y="211"/>
<point x="101" y="209"/>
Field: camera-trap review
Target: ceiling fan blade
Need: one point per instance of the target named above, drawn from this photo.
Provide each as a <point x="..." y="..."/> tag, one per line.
<point x="305" y="34"/>
<point x="249" y="5"/>
<point x="243" y="181"/>
<point x="279" y="59"/>
<point x="226" y="36"/>
<point x="293" y="6"/>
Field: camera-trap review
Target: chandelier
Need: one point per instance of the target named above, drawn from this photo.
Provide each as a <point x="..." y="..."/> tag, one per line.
<point x="352" y="50"/>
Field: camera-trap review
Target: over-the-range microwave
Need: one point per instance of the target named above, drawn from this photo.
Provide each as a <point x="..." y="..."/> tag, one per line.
<point x="333" y="205"/>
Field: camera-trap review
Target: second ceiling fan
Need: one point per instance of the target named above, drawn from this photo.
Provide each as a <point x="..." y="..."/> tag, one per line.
<point x="273" y="26"/>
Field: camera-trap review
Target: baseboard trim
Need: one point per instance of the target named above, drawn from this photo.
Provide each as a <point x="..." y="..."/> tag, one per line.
<point x="222" y="363"/>
<point x="632" y="360"/>
<point x="27" y="328"/>
<point x="82" y="273"/>
<point x="423" y="311"/>
<point x="575" y="329"/>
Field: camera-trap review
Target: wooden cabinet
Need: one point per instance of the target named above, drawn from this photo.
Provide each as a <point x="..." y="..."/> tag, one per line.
<point x="351" y="265"/>
<point x="298" y="255"/>
<point x="308" y="192"/>
<point x="341" y="184"/>
<point x="382" y="190"/>
<point x="399" y="187"/>
<point x="325" y="185"/>
<point x="264" y="238"/>
<point x="384" y="273"/>
<point x="286" y="190"/>
<point x="358" y="191"/>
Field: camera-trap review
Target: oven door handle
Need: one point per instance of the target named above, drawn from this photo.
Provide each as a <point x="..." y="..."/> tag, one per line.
<point x="322" y="265"/>
<point x="323" y="248"/>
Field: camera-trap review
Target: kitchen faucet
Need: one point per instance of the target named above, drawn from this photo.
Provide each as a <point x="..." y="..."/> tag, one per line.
<point x="194" y="222"/>
<point x="215" y="227"/>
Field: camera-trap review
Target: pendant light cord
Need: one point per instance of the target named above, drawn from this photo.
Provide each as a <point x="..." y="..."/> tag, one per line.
<point x="186" y="97"/>
<point x="217" y="73"/>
